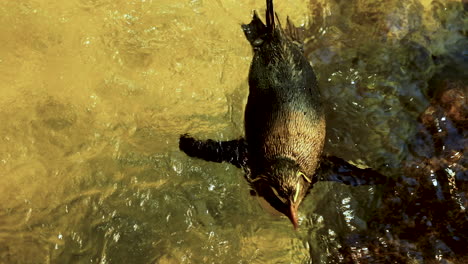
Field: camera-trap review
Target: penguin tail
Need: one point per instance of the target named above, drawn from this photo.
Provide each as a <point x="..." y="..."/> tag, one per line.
<point x="270" y="17"/>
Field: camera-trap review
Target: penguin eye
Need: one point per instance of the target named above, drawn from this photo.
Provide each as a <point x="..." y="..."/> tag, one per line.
<point x="256" y="179"/>
<point x="298" y="190"/>
<point x="277" y="194"/>
<point x="300" y="174"/>
<point x="259" y="177"/>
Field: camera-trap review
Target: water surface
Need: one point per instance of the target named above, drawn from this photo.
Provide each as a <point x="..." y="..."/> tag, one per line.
<point x="95" y="93"/>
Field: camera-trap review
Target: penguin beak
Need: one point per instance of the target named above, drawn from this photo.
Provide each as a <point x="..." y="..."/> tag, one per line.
<point x="292" y="215"/>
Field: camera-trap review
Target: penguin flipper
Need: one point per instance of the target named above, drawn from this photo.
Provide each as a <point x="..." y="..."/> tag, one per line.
<point x="338" y="170"/>
<point x="233" y="151"/>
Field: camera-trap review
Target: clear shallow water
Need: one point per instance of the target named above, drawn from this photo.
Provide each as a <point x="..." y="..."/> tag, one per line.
<point x="94" y="95"/>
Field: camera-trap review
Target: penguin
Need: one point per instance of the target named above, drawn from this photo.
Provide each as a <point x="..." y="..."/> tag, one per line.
<point x="284" y="122"/>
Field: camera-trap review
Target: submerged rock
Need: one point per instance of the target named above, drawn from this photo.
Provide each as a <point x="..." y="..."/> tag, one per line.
<point x="423" y="214"/>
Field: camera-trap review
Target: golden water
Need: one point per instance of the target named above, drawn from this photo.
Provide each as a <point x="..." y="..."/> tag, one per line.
<point x="93" y="96"/>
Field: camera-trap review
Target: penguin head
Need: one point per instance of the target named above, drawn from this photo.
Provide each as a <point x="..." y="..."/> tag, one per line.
<point x="283" y="185"/>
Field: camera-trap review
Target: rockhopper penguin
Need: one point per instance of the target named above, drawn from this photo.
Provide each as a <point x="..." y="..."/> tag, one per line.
<point x="284" y="123"/>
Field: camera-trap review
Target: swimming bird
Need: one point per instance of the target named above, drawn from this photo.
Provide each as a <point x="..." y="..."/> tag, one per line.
<point x="284" y="121"/>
